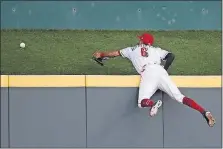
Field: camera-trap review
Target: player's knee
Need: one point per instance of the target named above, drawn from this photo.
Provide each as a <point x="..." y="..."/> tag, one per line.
<point x="143" y="103"/>
<point x="140" y="102"/>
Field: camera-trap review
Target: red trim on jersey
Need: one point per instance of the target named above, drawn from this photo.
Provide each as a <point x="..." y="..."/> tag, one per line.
<point x="119" y="52"/>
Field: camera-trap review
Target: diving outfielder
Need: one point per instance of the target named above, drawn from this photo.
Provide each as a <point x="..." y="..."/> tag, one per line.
<point x="147" y="61"/>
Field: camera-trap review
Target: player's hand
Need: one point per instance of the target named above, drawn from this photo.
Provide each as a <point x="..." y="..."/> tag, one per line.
<point x="97" y="55"/>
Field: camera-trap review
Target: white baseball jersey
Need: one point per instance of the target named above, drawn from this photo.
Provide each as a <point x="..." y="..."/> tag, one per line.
<point x="140" y="55"/>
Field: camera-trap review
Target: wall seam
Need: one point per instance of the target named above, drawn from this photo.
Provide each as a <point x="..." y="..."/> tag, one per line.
<point x="86" y="109"/>
<point x="8" y="114"/>
<point x="1" y="116"/>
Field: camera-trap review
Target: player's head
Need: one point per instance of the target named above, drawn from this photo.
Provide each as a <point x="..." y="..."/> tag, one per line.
<point x="146" y="39"/>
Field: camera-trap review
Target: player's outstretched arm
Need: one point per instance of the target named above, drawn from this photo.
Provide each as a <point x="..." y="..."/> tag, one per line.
<point x="109" y="54"/>
<point x="169" y="60"/>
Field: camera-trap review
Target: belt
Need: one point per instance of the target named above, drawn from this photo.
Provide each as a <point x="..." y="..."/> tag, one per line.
<point x="150" y="63"/>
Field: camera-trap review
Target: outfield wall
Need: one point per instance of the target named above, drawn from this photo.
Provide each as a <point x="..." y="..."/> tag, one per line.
<point x="164" y="15"/>
<point x="101" y="111"/>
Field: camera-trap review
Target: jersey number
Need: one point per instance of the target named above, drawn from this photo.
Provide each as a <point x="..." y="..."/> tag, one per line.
<point x="144" y="52"/>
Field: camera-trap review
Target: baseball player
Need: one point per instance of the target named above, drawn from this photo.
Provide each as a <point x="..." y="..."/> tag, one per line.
<point x="147" y="61"/>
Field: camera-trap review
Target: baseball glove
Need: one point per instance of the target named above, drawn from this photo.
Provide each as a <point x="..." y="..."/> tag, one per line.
<point x="98" y="60"/>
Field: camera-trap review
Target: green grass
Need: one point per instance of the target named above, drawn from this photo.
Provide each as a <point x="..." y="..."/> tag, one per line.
<point x="70" y="51"/>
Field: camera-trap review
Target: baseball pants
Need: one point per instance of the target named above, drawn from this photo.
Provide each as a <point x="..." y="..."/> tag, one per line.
<point x="155" y="77"/>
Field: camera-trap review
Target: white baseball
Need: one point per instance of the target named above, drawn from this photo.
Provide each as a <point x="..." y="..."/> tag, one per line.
<point x="22" y="45"/>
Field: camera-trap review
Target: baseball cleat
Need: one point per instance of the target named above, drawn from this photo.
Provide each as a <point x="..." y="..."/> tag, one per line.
<point x="209" y="118"/>
<point x="155" y="108"/>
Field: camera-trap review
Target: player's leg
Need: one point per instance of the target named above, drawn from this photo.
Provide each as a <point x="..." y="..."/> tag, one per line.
<point x="148" y="86"/>
<point x="169" y="87"/>
<point x="146" y="90"/>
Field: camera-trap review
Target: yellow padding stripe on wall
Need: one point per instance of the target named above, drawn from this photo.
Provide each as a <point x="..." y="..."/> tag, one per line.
<point x="4" y="81"/>
<point x="101" y="81"/>
<point x="198" y="81"/>
<point x="47" y="81"/>
<point x="133" y="81"/>
<point x="112" y="81"/>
